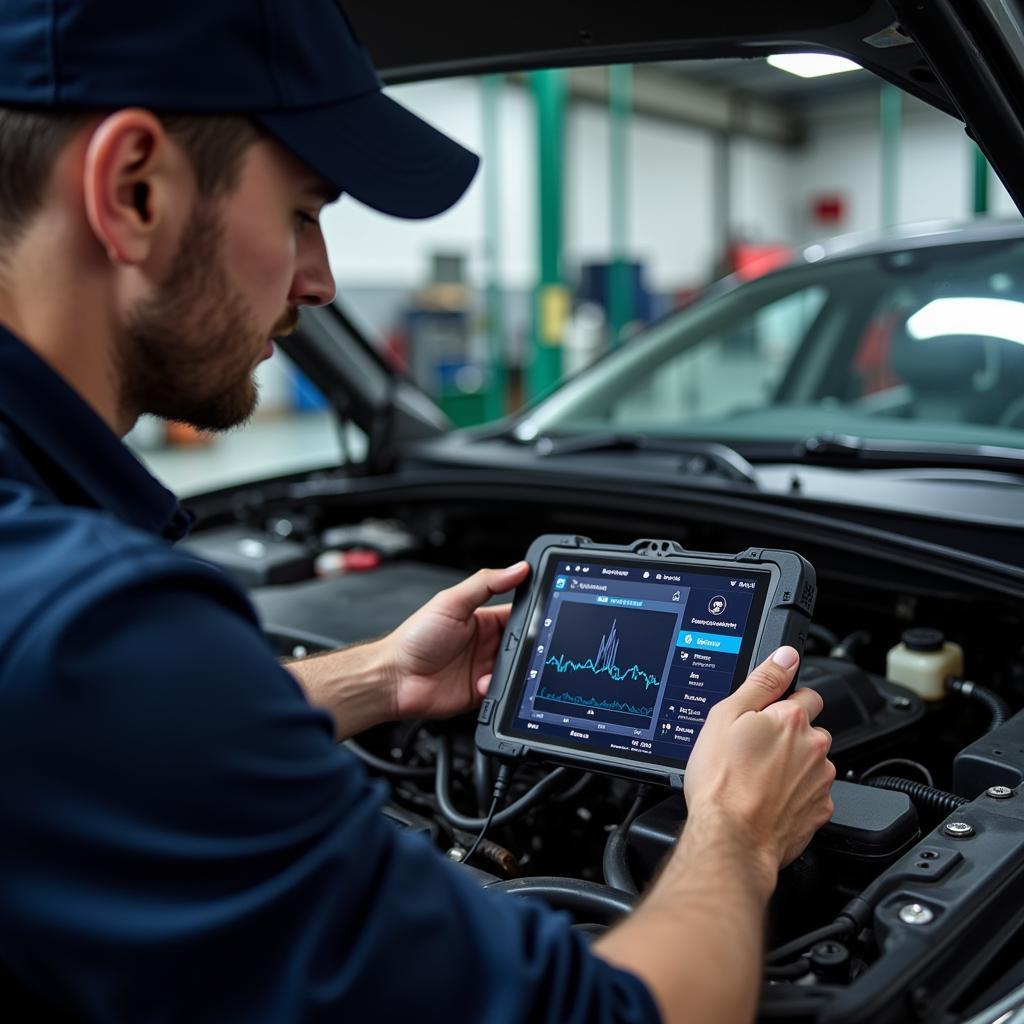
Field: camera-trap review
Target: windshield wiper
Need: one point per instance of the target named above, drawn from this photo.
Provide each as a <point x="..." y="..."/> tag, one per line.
<point x="848" y="450"/>
<point x="704" y="457"/>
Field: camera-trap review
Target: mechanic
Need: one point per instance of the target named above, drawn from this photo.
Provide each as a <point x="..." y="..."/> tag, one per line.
<point x="182" y="837"/>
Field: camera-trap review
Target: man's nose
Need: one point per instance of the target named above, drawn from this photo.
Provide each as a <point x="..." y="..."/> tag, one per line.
<point x="313" y="284"/>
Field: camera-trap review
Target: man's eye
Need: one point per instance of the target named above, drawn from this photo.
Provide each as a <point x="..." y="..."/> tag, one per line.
<point x="304" y="220"/>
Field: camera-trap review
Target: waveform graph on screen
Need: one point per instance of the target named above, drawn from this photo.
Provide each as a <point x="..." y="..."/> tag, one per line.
<point x="605" y="663"/>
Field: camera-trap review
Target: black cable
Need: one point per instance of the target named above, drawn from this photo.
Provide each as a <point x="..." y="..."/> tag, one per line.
<point x="998" y="709"/>
<point x="408" y="734"/>
<point x="835" y="930"/>
<point x="845" y="648"/>
<point x="483" y="779"/>
<point x="385" y="767"/>
<point x="923" y="797"/>
<point x="823" y="635"/>
<point x="500" y="789"/>
<point x="868" y="772"/>
<point x="442" y="791"/>
<point x="574" y="790"/>
<point x="787" y="972"/>
<point x="615" y="862"/>
<point x="576" y="895"/>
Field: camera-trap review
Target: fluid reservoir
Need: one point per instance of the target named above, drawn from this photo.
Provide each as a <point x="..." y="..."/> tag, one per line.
<point x="923" y="660"/>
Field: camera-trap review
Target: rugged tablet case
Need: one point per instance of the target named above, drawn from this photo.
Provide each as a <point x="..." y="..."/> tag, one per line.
<point x="786" y="616"/>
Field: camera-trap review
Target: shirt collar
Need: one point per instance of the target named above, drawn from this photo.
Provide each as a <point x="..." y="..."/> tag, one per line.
<point x="76" y="454"/>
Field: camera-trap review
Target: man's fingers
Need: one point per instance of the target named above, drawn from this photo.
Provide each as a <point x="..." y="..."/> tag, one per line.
<point x="482" y="685"/>
<point x="810" y="701"/>
<point x="464" y="598"/>
<point x="496" y="613"/>
<point x="766" y="684"/>
<point x="828" y="737"/>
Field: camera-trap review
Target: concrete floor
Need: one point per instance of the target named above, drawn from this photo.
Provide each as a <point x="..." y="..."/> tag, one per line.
<point x="263" y="448"/>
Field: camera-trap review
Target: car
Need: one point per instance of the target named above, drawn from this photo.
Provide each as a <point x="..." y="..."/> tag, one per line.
<point x="863" y="405"/>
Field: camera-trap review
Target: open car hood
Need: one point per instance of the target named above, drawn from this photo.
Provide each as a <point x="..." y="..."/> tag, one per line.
<point x="965" y="57"/>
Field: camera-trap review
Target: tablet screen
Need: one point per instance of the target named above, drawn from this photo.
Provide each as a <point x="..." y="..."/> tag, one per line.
<point x="626" y="658"/>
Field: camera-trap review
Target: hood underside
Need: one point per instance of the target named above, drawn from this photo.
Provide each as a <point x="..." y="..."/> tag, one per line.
<point x="410" y="41"/>
<point x="965" y="57"/>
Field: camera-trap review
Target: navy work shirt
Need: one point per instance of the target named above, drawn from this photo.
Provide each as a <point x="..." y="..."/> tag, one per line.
<point x="180" y="837"/>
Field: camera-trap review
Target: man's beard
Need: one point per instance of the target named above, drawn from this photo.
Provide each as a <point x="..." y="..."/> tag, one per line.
<point x="188" y="353"/>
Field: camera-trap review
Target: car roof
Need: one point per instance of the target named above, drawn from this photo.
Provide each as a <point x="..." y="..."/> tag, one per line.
<point x="913" y="236"/>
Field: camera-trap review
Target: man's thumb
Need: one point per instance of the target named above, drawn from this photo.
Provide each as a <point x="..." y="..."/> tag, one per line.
<point x="461" y="600"/>
<point x="767" y="683"/>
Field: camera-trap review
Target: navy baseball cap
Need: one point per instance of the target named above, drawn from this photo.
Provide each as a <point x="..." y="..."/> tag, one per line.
<point x="295" y="67"/>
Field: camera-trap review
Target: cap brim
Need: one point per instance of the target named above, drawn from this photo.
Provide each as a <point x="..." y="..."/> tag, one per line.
<point x="378" y="152"/>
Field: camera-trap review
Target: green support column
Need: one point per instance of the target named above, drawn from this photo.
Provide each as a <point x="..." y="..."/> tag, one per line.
<point x="979" y="169"/>
<point x="494" y="399"/>
<point x="620" y="285"/>
<point x="890" y="111"/>
<point x="551" y="301"/>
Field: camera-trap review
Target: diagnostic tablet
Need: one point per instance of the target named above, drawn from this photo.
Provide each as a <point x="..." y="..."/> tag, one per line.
<point x="614" y="655"/>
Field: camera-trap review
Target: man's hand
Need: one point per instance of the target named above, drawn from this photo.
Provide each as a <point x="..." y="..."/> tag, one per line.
<point x="435" y="664"/>
<point x="761" y="767"/>
<point x="757" y="787"/>
<point x="441" y="657"/>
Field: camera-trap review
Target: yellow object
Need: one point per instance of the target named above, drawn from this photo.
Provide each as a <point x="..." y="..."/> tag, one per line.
<point x="554" y="313"/>
<point x="925" y="666"/>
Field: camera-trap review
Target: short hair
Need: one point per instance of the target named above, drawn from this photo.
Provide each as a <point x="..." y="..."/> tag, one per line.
<point x="32" y="139"/>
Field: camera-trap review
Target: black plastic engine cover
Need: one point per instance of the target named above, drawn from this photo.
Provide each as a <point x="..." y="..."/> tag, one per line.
<point x="861" y="710"/>
<point x="253" y="558"/>
<point x="971" y="886"/>
<point x="869" y="829"/>
<point x="995" y="759"/>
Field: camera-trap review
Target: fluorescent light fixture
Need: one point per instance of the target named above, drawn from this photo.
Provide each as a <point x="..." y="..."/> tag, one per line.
<point x="994" y="318"/>
<point x="812" y="65"/>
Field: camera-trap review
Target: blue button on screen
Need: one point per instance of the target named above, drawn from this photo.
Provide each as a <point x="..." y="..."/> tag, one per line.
<point x="709" y="642"/>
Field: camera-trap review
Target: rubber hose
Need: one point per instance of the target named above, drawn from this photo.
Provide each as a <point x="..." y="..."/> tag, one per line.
<point x="615" y="860"/>
<point x="823" y="634"/>
<point x="924" y="797"/>
<point x="837" y="929"/>
<point x="385" y="767"/>
<point x="614" y="864"/>
<point x="589" y="900"/>
<point x="856" y="639"/>
<point x="996" y="705"/>
<point x="442" y="791"/>
<point x="574" y="790"/>
<point x="997" y="708"/>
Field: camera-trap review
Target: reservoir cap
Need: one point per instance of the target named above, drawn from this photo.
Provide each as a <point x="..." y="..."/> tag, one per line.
<point x="924" y="638"/>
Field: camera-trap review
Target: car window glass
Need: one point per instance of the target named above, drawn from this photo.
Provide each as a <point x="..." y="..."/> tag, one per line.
<point x="921" y="344"/>
<point x="735" y="368"/>
<point x="292" y="430"/>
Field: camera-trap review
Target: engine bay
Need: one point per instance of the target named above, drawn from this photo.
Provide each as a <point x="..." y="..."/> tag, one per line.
<point x="905" y="906"/>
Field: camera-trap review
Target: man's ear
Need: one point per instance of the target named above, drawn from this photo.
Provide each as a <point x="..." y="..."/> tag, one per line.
<point x="128" y="184"/>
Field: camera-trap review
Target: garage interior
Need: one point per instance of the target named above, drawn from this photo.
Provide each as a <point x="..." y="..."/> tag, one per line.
<point x="608" y="197"/>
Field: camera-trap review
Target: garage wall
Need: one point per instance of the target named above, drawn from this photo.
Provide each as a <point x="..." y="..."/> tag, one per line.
<point x="843" y="155"/>
<point x="672" y="220"/>
<point x="671" y="215"/>
<point x="762" y="208"/>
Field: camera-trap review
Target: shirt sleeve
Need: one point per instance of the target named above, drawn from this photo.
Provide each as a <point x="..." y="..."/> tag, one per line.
<point x="183" y="841"/>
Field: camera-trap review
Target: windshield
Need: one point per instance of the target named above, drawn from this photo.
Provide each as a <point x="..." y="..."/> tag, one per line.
<point x="922" y="344"/>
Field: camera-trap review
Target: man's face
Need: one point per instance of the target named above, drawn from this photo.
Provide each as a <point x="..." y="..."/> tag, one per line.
<point x="244" y="264"/>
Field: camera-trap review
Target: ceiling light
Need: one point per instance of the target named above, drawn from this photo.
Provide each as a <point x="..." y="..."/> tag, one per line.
<point x="812" y="65"/>
<point x="995" y="318"/>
